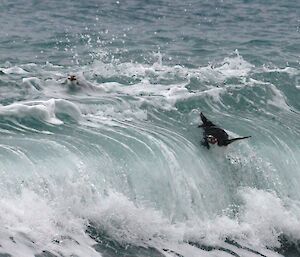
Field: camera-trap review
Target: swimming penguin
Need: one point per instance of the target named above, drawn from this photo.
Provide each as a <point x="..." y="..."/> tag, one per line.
<point x="212" y="134"/>
<point x="77" y="83"/>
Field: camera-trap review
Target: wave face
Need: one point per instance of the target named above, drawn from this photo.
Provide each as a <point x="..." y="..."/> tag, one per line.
<point x="99" y="139"/>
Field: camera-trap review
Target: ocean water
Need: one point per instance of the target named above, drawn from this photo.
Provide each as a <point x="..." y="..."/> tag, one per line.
<point x="111" y="164"/>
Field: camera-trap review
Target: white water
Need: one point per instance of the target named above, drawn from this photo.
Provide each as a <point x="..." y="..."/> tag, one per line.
<point x="127" y="159"/>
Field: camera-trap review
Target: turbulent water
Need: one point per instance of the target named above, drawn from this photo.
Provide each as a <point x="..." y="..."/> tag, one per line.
<point x="110" y="163"/>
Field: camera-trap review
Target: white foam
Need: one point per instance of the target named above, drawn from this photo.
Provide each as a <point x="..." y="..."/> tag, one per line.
<point x="152" y="83"/>
<point x="235" y="66"/>
<point x="32" y="83"/>
<point x="289" y="70"/>
<point x="13" y="70"/>
<point x="278" y="99"/>
<point x="146" y="84"/>
<point x="41" y="110"/>
<point x="62" y="214"/>
<point x="127" y="223"/>
<point x="31" y="224"/>
<point x="262" y="218"/>
<point x="269" y="216"/>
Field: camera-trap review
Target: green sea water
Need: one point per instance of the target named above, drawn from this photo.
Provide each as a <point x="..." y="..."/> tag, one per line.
<point x="100" y="151"/>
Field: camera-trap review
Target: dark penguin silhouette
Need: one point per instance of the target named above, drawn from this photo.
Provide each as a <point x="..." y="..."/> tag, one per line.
<point x="212" y="134"/>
